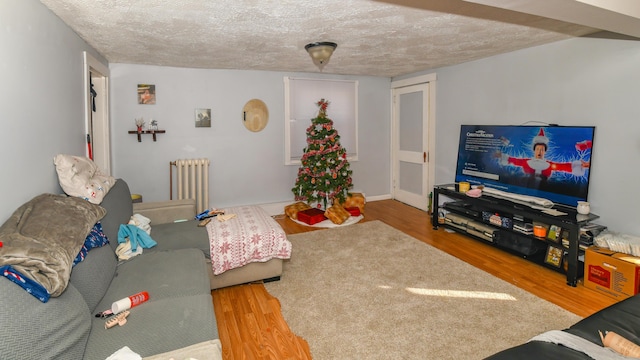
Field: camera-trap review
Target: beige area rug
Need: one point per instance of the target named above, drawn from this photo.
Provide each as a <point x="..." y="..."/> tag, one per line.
<point x="369" y="291"/>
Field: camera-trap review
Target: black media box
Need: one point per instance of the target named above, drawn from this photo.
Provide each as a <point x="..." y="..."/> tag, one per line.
<point x="521" y="244"/>
<point x="462" y="207"/>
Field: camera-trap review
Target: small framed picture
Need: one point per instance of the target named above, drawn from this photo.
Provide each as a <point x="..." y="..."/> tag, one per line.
<point x="555" y="233"/>
<point x="203" y="117"/>
<point x="146" y="94"/>
<point x="554" y="256"/>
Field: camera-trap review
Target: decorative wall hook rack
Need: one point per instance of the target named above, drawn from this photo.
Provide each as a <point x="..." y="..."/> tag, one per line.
<point x="152" y="132"/>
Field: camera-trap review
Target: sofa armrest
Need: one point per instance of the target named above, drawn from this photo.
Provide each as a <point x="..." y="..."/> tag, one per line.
<point x="162" y="212"/>
<point x="211" y="349"/>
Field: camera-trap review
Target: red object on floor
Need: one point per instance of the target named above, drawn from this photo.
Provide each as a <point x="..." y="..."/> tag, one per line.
<point x="354" y="211"/>
<point x="311" y="216"/>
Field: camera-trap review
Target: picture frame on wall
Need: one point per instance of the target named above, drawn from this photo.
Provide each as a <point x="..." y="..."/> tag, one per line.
<point x="203" y="118"/>
<point x="146" y="94"/>
<point x="554" y="256"/>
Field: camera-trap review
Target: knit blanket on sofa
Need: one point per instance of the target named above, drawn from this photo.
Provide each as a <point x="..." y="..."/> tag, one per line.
<point x="251" y="236"/>
<point x="43" y="236"/>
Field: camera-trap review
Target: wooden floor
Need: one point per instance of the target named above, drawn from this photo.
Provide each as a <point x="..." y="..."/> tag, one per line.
<point x="251" y="325"/>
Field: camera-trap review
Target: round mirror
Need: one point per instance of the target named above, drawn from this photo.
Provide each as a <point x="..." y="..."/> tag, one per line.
<point x="255" y="115"/>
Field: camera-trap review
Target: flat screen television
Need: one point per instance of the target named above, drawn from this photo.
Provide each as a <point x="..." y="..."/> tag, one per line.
<point x="549" y="162"/>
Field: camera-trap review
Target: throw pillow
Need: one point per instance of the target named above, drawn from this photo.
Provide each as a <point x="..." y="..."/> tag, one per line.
<point x="79" y="176"/>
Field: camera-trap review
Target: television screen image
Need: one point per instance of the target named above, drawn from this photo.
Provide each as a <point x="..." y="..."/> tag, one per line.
<point x="550" y="162"/>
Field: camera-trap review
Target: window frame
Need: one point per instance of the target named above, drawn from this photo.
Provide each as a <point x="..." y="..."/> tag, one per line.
<point x="301" y="96"/>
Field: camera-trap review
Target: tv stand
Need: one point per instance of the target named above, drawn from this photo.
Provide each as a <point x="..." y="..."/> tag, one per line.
<point x="471" y="209"/>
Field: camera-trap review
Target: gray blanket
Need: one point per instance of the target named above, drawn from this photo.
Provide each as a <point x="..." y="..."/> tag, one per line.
<point x="42" y="238"/>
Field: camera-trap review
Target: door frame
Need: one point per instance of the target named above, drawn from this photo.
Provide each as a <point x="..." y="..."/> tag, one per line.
<point x="98" y="73"/>
<point x="429" y="122"/>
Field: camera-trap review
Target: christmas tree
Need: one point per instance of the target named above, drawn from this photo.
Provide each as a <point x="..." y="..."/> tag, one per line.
<point x="324" y="176"/>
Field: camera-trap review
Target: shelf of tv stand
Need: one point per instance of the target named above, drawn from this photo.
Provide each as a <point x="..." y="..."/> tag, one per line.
<point x="572" y="221"/>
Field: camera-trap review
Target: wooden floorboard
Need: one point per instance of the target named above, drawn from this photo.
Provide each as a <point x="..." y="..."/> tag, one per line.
<point x="251" y="325"/>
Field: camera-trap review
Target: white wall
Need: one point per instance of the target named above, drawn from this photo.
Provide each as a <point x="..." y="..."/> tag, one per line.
<point x="247" y="167"/>
<point x="41" y="99"/>
<point x="583" y="81"/>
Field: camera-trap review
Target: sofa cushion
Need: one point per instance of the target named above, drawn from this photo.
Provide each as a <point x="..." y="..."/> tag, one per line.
<point x="163" y="274"/>
<point x="179" y="311"/>
<point x="181" y="235"/>
<point x="93" y="276"/>
<point x="57" y="329"/>
<point x="156" y="326"/>
<point x="79" y="176"/>
<point x="119" y="210"/>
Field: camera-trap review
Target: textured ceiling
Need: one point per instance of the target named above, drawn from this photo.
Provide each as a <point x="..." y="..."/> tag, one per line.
<point x="379" y="38"/>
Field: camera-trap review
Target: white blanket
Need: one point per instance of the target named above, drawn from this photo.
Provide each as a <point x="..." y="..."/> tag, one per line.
<point x="532" y="201"/>
<point x="251" y="236"/>
<point x="577" y="343"/>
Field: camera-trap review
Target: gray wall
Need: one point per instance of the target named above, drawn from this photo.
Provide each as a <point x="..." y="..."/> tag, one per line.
<point x="246" y="167"/>
<point x="41" y="115"/>
<point x="41" y="99"/>
<point x="583" y="81"/>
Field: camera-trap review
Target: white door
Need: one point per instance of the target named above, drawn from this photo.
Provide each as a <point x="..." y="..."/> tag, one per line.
<point x="96" y="81"/>
<point x="411" y="113"/>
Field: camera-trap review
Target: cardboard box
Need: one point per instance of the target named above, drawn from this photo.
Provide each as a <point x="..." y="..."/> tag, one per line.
<point x="311" y="216"/>
<point x="614" y="274"/>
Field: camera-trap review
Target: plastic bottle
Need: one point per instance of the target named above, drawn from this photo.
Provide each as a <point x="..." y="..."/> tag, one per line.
<point x="129" y="302"/>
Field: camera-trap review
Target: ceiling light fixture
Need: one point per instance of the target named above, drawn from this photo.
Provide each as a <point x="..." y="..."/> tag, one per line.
<point x="321" y="52"/>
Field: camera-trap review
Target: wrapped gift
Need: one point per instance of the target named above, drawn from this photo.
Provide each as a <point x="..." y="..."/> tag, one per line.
<point x="311" y="216"/>
<point x="337" y="214"/>
<point x="355" y="200"/>
<point x="353" y="211"/>
<point x="293" y="209"/>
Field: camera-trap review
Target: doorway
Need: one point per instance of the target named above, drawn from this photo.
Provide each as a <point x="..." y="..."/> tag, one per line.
<point x="413" y="140"/>
<point x="96" y="92"/>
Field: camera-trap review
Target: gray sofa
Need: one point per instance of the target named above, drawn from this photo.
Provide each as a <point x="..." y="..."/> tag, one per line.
<point x="179" y="313"/>
<point x="172" y="235"/>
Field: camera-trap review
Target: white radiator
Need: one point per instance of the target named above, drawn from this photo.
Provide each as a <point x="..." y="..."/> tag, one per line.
<point x="192" y="181"/>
